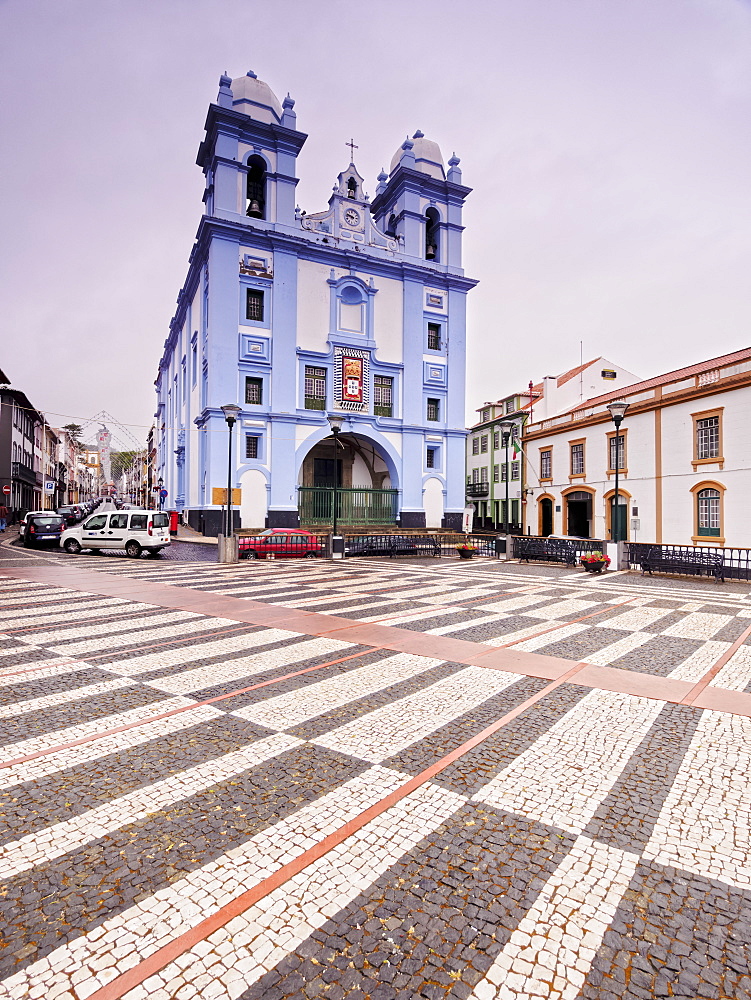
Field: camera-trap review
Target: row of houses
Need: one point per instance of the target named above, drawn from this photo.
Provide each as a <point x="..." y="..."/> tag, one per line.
<point x="545" y="461"/>
<point x="41" y="467"/>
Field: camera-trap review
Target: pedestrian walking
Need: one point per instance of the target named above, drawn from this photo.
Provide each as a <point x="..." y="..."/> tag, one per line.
<point x="3" y="517"/>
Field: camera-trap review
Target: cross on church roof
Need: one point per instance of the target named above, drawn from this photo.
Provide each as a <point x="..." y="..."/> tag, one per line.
<point x="352" y="148"/>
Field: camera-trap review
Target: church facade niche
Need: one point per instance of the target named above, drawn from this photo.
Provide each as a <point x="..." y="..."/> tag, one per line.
<point x="296" y="317"/>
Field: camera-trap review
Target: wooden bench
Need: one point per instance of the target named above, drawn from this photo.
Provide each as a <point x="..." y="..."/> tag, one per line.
<point x="545" y="549"/>
<point x="682" y="561"/>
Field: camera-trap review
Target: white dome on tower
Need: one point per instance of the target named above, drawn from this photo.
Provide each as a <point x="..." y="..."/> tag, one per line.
<point x="255" y="98"/>
<point x="428" y="156"/>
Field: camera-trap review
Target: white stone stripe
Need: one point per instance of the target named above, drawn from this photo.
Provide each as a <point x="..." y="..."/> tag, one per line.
<point x="295" y="707"/>
<point x="62" y="697"/>
<point x="394" y="727"/>
<point x="617" y="649"/>
<point x="247" y="666"/>
<point x="735" y="675"/>
<point x="144" y="928"/>
<point x="40" y="669"/>
<point x="186" y="652"/>
<point x="52" y="739"/>
<point x="556" y="611"/>
<point x="46" y="845"/>
<point x="699" y="625"/>
<point x="505" y="605"/>
<point x="704" y="825"/>
<point x="634" y="619"/>
<point x="548" y="638"/>
<point x="114" y="630"/>
<point x="168" y="632"/>
<point x="60" y="760"/>
<point x="68" y="612"/>
<point x="552" y="950"/>
<point x="561" y="779"/>
<point x="698" y="663"/>
<point x="267" y="932"/>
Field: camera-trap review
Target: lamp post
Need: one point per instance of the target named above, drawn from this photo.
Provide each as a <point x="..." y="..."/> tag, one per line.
<point x="506" y="429"/>
<point x="230" y="411"/>
<point x="617" y="412"/>
<point x="335" y="423"/>
<point x="160" y="484"/>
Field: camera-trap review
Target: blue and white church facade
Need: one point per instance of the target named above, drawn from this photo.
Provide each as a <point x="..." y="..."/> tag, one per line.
<point x="357" y="311"/>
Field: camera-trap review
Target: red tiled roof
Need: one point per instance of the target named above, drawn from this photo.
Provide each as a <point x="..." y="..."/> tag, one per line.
<point x="674" y="376"/>
<point x="567" y="376"/>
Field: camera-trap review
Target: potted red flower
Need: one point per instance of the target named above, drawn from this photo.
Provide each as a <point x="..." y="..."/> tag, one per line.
<point x="595" y="562"/>
<point x="465" y="550"/>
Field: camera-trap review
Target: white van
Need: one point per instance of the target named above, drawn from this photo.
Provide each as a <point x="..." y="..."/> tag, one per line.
<point x="136" y="531"/>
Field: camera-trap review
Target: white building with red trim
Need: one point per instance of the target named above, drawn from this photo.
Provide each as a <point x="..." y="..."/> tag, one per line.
<point x="683" y="468"/>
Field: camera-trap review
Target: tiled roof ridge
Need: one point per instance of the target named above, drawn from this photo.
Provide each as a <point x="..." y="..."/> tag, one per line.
<point x="679" y="373"/>
<point x="573" y="372"/>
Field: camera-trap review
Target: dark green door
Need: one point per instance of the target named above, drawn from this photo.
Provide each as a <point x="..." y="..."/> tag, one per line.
<point x="618" y="528"/>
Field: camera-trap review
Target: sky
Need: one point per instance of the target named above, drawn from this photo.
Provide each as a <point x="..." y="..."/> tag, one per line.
<point x="607" y="143"/>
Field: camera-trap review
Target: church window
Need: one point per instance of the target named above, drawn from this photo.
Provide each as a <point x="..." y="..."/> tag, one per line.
<point x="251" y="446"/>
<point x="352" y="188"/>
<point x="383" y="395"/>
<point x="256" y="189"/>
<point x="254" y="307"/>
<point x="315" y="388"/>
<point x="434" y="337"/>
<point x="254" y="391"/>
<point x="430" y="458"/>
<point x="434" y="409"/>
<point x="431" y="234"/>
<point x="350" y="309"/>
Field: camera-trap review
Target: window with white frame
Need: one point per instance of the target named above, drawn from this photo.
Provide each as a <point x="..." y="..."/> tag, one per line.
<point x="577" y="459"/>
<point x="484" y="443"/>
<point x="708" y="438"/>
<point x="383" y="395"/>
<point x="484" y="474"/>
<point x="708" y="513"/>
<point x="496" y="473"/>
<point x="504" y="473"/>
<point x="617" y="455"/>
<point x="475" y="446"/>
<point x="546" y="464"/>
<point x="496" y="439"/>
<point x="315" y="388"/>
<point x="515" y="470"/>
<point x="510" y="405"/>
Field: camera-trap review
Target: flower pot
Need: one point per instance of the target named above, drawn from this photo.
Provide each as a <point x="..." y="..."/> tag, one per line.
<point x="463" y="554"/>
<point x="595" y="567"/>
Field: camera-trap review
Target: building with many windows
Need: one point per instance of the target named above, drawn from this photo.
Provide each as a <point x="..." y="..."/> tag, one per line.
<point x="681" y="455"/>
<point x="496" y="473"/>
<point x="356" y="312"/>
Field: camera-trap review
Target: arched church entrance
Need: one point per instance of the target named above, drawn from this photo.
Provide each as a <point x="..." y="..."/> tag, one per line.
<point x="353" y="473"/>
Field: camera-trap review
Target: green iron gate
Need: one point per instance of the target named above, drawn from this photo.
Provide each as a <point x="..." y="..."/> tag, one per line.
<point x="354" y="506"/>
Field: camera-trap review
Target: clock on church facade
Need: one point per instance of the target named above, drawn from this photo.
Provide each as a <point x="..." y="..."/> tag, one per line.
<point x="357" y="312"/>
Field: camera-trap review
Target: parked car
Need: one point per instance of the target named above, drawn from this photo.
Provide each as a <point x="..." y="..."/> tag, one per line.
<point x="136" y="531"/>
<point x="281" y="543"/>
<point x="68" y="511"/>
<point x="22" y="522"/>
<point x="43" y="528"/>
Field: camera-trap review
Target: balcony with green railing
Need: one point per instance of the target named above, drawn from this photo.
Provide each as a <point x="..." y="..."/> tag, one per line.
<point x="355" y="506"/>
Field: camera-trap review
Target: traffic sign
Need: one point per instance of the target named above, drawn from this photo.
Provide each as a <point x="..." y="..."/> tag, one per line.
<point x="162" y="494"/>
<point x="49" y="486"/>
<point x="6" y="489"/>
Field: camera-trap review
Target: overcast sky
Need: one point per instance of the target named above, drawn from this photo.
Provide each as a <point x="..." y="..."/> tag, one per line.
<point x="607" y="143"/>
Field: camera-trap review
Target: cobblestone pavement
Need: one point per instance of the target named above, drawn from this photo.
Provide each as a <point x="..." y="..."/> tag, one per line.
<point x="370" y="781"/>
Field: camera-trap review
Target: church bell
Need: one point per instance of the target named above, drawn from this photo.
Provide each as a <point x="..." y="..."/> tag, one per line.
<point x="429" y="250"/>
<point x="254" y="210"/>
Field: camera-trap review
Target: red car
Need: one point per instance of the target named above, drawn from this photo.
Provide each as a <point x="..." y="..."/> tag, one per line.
<point x="282" y="543"/>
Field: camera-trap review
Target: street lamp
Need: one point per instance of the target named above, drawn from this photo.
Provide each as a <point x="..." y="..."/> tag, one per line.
<point x="617" y="412"/>
<point x="160" y="484"/>
<point x="230" y="411"/>
<point x="336" y="423"/>
<point x="506" y="428"/>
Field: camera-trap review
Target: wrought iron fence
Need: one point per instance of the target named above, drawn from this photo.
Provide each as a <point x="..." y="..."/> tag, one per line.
<point x="579" y="545"/>
<point x="416" y="545"/>
<point x="736" y="562"/>
<point x="354" y="506"/>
